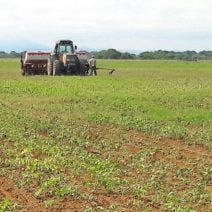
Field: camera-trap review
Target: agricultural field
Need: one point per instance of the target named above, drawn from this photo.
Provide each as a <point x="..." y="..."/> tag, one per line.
<point x="137" y="140"/>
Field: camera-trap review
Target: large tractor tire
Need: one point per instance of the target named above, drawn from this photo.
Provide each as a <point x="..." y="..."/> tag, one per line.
<point x="82" y="68"/>
<point x="57" y="68"/>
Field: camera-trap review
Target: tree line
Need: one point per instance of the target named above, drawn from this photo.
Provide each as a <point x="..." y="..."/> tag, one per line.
<point x="11" y="54"/>
<point x="155" y="55"/>
<point x="147" y="55"/>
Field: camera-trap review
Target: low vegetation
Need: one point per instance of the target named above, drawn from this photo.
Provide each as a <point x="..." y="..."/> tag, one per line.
<point x="137" y="140"/>
<point x="155" y="55"/>
<point x="146" y="55"/>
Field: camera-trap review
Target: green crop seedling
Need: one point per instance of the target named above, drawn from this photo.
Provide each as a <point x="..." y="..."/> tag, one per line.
<point x="138" y="140"/>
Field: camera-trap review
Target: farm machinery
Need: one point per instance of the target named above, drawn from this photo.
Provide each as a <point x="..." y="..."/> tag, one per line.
<point x="63" y="60"/>
<point x="34" y="62"/>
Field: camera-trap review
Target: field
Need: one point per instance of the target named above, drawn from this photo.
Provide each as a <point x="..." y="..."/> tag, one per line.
<point x="138" y="140"/>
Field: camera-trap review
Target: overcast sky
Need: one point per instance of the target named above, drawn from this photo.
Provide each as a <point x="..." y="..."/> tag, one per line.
<point x="133" y="25"/>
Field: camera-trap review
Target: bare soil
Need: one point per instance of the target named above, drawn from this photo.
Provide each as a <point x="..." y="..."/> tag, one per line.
<point x="19" y="196"/>
<point x="134" y="142"/>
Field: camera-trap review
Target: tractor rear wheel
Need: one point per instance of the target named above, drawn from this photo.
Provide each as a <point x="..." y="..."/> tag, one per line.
<point x="82" y="68"/>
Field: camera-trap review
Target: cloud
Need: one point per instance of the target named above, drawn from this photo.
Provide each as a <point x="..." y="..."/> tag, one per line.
<point x="122" y="24"/>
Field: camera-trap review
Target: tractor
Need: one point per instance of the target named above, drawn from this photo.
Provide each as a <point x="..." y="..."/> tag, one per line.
<point x="64" y="61"/>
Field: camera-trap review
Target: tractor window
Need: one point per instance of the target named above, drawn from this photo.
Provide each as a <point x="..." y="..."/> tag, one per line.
<point x="65" y="48"/>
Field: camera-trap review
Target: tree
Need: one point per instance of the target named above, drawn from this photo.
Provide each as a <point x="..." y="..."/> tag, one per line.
<point x="127" y="55"/>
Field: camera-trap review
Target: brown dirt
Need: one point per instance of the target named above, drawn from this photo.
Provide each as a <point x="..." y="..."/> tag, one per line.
<point x="191" y="151"/>
<point x="19" y="196"/>
<point x="133" y="143"/>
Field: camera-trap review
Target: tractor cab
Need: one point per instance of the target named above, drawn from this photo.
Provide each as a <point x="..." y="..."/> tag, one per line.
<point x="64" y="46"/>
<point x="63" y="50"/>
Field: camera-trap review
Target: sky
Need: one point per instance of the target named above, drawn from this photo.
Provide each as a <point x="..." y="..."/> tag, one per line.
<point x="126" y="25"/>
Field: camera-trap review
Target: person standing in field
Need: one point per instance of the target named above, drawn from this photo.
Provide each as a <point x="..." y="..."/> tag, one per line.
<point x="92" y="64"/>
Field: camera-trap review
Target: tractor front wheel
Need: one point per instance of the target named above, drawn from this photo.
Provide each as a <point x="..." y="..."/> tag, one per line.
<point x="56" y="68"/>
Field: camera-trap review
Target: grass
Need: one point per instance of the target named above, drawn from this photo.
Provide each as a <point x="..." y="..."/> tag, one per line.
<point x="86" y="139"/>
<point x="168" y="99"/>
